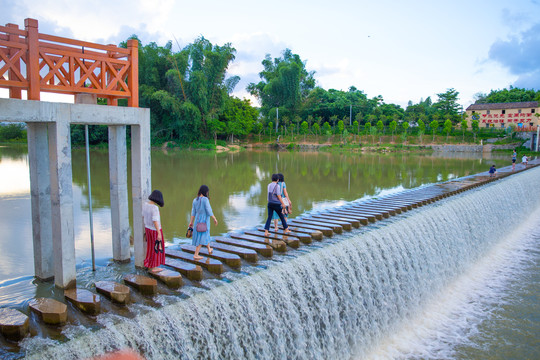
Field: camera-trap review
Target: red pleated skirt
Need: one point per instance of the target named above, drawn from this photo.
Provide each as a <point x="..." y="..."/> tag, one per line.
<point x="153" y="259"/>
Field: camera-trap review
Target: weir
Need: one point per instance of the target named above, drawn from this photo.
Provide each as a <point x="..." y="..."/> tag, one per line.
<point x="335" y="300"/>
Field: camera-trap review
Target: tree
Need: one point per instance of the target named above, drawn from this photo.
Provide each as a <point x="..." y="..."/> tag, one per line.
<point x="285" y="82"/>
<point x="447" y="103"/>
<point x="393" y="126"/>
<point x="327" y="129"/>
<point x="316" y="128"/>
<point x="340" y="127"/>
<point x="367" y="128"/>
<point x="380" y="128"/>
<point x="304" y="128"/>
<point x="422" y="129"/>
<point x="405" y="126"/>
<point x="447" y="128"/>
<point x="464" y="124"/>
<point x="475" y="127"/>
<point x="434" y="125"/>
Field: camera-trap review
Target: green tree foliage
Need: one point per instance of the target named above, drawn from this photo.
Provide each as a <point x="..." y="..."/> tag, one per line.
<point x="285" y="83"/>
<point x="327" y="129"/>
<point x="447" y="105"/>
<point x="393" y="127"/>
<point x="10" y="132"/>
<point x="316" y="128"/>
<point x="447" y="128"/>
<point x="238" y="117"/>
<point x="511" y="94"/>
<point x="434" y="125"/>
<point x="187" y="92"/>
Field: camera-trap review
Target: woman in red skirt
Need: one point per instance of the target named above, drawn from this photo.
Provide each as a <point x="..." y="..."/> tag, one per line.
<point x="155" y="249"/>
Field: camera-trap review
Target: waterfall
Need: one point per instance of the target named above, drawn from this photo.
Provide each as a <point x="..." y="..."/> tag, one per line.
<point x="334" y="302"/>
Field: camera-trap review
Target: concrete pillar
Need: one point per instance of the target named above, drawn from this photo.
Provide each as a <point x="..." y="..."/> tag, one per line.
<point x="40" y="193"/>
<point x="62" y="199"/>
<point x="140" y="179"/>
<point x="119" y="193"/>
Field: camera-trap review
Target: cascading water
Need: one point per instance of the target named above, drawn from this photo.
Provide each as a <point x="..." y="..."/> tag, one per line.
<point x="334" y="302"/>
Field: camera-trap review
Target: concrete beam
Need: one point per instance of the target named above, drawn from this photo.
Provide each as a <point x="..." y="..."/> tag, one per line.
<point x="62" y="200"/>
<point x="141" y="184"/>
<point x="119" y="193"/>
<point x="14" y="110"/>
<point x="40" y="194"/>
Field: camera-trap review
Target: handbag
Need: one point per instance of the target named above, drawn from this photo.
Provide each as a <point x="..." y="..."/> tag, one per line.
<point x="201" y="226"/>
<point x="189" y="232"/>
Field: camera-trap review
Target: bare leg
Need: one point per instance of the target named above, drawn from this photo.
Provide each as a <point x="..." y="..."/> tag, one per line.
<point x="275" y="224"/>
<point x="209" y="248"/>
<point x="196" y="256"/>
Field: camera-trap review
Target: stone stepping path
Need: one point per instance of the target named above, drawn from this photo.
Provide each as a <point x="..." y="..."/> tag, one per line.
<point x="231" y="249"/>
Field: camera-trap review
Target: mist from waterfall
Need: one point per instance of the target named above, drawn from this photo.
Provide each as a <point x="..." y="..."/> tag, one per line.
<point x="351" y="298"/>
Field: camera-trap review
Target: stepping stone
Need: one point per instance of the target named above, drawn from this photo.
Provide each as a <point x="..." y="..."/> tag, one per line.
<point x="378" y="215"/>
<point x="331" y="217"/>
<point x="263" y="249"/>
<point x="212" y="265"/>
<point x="246" y="254"/>
<point x="14" y="325"/>
<point x="192" y="272"/>
<point x="170" y="278"/>
<point x="141" y="283"/>
<point x="84" y="300"/>
<point x="291" y="241"/>
<point x="51" y="311"/>
<point x="116" y="292"/>
<point x="346" y="225"/>
<point x="277" y="245"/>
<point x="362" y="220"/>
<point x="303" y="237"/>
<point x="369" y="216"/>
<point x="326" y="231"/>
<point x="231" y="260"/>
<point x="385" y="213"/>
<point x="335" y="228"/>
<point x="315" y="234"/>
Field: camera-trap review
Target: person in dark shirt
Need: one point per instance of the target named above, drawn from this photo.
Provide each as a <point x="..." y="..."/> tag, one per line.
<point x="492" y="171"/>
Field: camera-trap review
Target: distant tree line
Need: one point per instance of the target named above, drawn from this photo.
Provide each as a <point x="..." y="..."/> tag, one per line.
<point x="189" y="95"/>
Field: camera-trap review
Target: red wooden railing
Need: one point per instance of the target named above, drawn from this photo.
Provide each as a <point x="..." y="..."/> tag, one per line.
<point x="39" y="62"/>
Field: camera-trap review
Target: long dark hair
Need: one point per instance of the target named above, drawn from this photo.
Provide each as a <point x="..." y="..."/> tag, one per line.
<point x="157" y="197"/>
<point x="203" y="190"/>
<point x="281" y="177"/>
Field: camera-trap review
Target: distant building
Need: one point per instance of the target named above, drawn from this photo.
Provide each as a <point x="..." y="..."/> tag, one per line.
<point x="501" y="115"/>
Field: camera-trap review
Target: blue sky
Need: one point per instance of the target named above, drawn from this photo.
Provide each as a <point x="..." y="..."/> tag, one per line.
<point x="402" y="50"/>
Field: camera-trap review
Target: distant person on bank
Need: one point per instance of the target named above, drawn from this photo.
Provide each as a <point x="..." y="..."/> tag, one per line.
<point x="492" y="171"/>
<point x="525" y="160"/>
<point x="286" y="199"/>
<point x="201" y="212"/>
<point x="275" y="203"/>
<point x="514" y="158"/>
<point x="155" y="246"/>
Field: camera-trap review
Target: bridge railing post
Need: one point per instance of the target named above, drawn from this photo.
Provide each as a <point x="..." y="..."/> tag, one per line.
<point x="32" y="59"/>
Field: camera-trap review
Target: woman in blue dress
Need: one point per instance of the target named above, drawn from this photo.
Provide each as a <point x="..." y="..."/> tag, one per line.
<point x="201" y="212"/>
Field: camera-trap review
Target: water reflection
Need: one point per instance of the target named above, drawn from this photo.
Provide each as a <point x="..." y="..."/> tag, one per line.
<point x="237" y="184"/>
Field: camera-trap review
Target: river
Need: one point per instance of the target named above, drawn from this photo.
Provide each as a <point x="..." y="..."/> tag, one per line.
<point x="314" y="180"/>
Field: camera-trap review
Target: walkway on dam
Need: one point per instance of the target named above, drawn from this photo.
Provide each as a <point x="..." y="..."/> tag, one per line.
<point x="234" y="250"/>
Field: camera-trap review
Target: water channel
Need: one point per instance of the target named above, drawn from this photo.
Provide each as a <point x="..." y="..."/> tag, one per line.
<point x="314" y="180"/>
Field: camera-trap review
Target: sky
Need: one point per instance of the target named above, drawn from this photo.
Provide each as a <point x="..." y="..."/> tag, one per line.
<point x="402" y="50"/>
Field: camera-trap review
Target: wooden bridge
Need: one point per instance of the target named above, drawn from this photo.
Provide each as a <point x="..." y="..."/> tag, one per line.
<point x="234" y="250"/>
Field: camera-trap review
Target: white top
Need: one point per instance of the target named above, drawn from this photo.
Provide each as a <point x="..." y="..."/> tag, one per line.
<point x="524" y="158"/>
<point x="150" y="213"/>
